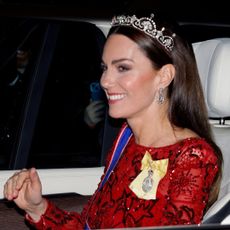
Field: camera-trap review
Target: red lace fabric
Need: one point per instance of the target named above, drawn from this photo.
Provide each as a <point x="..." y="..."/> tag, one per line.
<point x="181" y="196"/>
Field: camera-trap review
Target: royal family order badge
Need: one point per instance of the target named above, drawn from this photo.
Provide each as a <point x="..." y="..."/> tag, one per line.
<point x="146" y="183"/>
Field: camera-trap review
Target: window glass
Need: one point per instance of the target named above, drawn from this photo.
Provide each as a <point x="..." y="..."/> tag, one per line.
<point x="19" y="47"/>
<point x="42" y="105"/>
<point x="61" y="137"/>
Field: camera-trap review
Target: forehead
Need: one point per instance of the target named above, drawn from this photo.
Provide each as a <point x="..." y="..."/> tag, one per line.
<point x="119" y="38"/>
<point x="120" y="46"/>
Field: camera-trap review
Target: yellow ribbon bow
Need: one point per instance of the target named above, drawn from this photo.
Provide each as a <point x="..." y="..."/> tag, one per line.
<point x="146" y="183"/>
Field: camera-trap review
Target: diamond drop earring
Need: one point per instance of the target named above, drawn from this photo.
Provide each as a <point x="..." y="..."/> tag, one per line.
<point x="160" y="98"/>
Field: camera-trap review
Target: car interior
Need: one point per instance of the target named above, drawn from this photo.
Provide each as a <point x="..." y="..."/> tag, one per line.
<point x="212" y="57"/>
<point x="213" y="63"/>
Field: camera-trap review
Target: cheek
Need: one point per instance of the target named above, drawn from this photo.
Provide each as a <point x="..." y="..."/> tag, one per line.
<point x="145" y="85"/>
<point x="141" y="92"/>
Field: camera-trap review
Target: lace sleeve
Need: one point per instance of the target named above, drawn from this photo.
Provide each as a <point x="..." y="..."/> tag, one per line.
<point x="55" y="218"/>
<point x="191" y="178"/>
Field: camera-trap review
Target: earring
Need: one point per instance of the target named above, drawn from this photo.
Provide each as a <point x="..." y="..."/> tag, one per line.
<point x="161" y="97"/>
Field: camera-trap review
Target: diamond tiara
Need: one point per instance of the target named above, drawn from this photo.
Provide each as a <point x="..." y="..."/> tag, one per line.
<point x="148" y="26"/>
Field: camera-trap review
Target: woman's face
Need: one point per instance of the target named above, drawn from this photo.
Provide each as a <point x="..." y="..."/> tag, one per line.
<point x="128" y="78"/>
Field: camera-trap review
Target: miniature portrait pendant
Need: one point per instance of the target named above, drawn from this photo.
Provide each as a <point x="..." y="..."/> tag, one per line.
<point x="147" y="183"/>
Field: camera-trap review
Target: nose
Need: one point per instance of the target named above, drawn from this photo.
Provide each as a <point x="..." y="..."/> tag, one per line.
<point x="107" y="79"/>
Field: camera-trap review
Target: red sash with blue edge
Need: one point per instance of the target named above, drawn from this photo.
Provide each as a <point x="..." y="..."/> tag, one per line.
<point x="119" y="147"/>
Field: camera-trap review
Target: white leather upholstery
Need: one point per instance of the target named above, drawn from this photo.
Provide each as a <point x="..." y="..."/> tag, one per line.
<point x="224" y="215"/>
<point x="213" y="60"/>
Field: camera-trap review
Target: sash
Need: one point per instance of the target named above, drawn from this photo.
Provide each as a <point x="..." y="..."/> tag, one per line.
<point x="119" y="147"/>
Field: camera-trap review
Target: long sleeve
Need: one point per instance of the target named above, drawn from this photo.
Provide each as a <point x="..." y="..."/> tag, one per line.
<point x="55" y="218"/>
<point x="190" y="181"/>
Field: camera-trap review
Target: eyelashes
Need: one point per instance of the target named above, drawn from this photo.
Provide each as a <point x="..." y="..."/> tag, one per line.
<point x="120" y="68"/>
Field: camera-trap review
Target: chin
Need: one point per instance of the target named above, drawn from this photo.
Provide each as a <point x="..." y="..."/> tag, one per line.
<point x="115" y="115"/>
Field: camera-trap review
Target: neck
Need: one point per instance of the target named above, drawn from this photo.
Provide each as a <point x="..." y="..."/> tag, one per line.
<point x="155" y="136"/>
<point x="155" y="131"/>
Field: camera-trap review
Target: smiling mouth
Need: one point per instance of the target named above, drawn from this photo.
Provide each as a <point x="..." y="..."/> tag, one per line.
<point x="115" y="97"/>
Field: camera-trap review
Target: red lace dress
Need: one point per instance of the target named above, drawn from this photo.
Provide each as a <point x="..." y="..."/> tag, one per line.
<point x="178" y="196"/>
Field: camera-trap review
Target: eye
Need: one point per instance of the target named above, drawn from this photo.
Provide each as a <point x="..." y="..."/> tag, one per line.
<point x="123" y="68"/>
<point x="103" y="67"/>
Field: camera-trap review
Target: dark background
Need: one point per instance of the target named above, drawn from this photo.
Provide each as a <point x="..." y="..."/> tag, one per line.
<point x="187" y="10"/>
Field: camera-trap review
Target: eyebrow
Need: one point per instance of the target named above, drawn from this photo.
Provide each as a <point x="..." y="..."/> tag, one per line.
<point x="120" y="60"/>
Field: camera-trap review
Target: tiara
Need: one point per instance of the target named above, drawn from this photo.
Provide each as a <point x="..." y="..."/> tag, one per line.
<point x="148" y="26"/>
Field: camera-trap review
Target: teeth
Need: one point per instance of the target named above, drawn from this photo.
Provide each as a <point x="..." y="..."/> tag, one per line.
<point x="116" y="97"/>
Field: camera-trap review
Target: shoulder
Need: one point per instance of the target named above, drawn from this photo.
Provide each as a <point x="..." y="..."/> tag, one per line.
<point x="196" y="150"/>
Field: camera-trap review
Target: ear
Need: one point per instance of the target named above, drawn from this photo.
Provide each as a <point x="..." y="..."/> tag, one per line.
<point x="167" y="73"/>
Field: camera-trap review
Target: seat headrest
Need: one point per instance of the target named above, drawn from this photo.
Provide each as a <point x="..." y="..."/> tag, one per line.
<point x="213" y="60"/>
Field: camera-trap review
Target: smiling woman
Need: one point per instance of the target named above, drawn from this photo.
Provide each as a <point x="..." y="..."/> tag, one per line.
<point x="57" y="43"/>
<point x="162" y="158"/>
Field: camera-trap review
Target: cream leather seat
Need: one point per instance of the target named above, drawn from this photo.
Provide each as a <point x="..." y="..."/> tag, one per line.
<point x="213" y="60"/>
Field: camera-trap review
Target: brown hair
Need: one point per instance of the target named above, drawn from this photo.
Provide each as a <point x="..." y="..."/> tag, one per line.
<point x="187" y="108"/>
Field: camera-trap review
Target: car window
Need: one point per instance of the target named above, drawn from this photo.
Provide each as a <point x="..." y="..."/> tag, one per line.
<point x="61" y="137"/>
<point x="51" y="132"/>
<point x="15" y="80"/>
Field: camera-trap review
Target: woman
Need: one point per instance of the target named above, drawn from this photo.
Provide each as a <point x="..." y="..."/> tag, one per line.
<point x="164" y="168"/>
